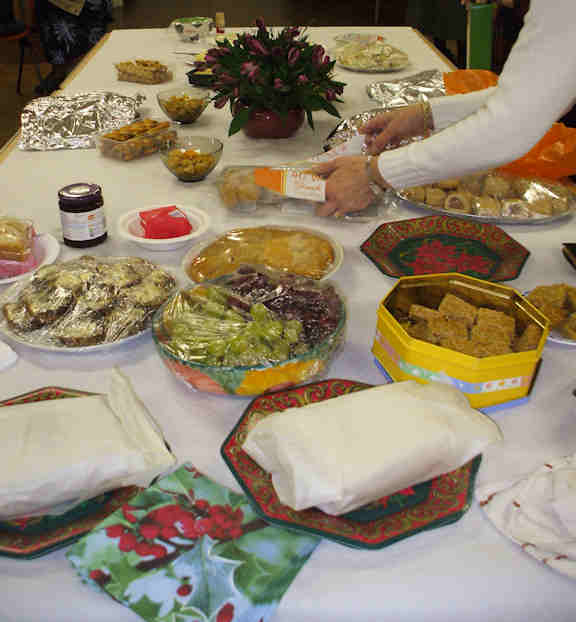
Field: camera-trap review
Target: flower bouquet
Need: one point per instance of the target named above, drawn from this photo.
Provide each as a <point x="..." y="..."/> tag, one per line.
<point x="280" y="72"/>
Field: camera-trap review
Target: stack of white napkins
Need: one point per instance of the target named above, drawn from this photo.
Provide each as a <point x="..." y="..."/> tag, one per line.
<point x="342" y="453"/>
<point x="68" y="450"/>
<point x="538" y="512"/>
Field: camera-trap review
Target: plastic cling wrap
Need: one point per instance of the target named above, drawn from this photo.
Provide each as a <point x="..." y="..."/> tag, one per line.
<point x="292" y="189"/>
<point x="494" y="196"/>
<point x="250" y="331"/>
<point x="84" y="302"/>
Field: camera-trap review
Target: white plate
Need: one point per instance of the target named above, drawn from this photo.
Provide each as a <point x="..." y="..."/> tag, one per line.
<point x="555" y="337"/>
<point x="99" y="347"/>
<point x="400" y="67"/>
<point x="48" y="249"/>
<point x="12" y="293"/>
<point x="336" y="248"/>
<point x="129" y="228"/>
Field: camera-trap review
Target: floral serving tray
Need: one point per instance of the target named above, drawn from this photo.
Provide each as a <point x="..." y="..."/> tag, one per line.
<point x="445" y="499"/>
<point x="437" y="244"/>
<point x="32" y="537"/>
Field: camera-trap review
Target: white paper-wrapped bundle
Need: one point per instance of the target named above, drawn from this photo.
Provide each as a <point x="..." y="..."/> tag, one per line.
<point x="344" y="452"/>
<point x="66" y="451"/>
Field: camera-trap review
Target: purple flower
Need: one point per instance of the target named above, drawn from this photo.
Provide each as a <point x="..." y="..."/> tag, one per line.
<point x="330" y="94"/>
<point x="220" y="102"/>
<point x="226" y="78"/>
<point x="302" y="79"/>
<point x="318" y="55"/>
<point x="256" y="46"/>
<point x="210" y="59"/>
<point x="293" y="55"/>
<point x="278" y="84"/>
<point x="250" y="70"/>
<point x="260" y="23"/>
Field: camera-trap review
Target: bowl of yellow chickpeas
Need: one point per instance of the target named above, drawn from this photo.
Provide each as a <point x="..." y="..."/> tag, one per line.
<point x="183" y="104"/>
<point x="191" y="158"/>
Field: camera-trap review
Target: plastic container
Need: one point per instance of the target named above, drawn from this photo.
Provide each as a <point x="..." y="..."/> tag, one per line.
<point x="82" y="215"/>
<point x="485" y="381"/>
<point x="130" y="229"/>
<point x="136" y="140"/>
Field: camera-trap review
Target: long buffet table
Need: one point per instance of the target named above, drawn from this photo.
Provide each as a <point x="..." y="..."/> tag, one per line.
<point x="465" y="571"/>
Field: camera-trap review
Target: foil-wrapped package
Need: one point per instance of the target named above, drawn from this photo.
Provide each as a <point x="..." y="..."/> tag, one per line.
<point x="73" y="121"/>
<point x="403" y="91"/>
<point x="349" y="128"/>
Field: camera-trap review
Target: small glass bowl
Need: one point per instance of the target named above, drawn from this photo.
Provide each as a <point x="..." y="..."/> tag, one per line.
<point x="191" y="158"/>
<point x="183" y="104"/>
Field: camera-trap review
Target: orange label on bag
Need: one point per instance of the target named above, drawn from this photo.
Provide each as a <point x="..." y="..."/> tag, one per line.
<point x="294" y="183"/>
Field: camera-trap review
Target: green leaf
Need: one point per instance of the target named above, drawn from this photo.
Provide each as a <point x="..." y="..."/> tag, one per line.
<point x="239" y="120"/>
<point x="328" y="107"/>
<point x="211" y="575"/>
<point x="146" y="608"/>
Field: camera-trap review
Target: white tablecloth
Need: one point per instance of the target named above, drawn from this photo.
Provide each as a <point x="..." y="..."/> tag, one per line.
<point x="466" y="571"/>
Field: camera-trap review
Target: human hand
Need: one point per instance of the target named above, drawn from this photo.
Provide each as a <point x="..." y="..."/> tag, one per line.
<point x="347" y="188"/>
<point x="390" y="128"/>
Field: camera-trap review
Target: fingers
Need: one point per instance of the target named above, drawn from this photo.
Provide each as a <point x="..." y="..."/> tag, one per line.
<point x="325" y="168"/>
<point x="330" y="208"/>
<point x="377" y="123"/>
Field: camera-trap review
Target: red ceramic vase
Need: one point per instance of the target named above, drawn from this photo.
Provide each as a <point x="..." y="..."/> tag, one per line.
<point x="269" y="124"/>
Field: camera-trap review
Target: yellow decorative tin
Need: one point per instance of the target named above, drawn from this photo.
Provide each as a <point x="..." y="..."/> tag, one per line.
<point x="485" y="381"/>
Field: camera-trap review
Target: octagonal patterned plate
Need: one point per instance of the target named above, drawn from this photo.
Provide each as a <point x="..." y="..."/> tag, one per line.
<point x="436" y="244"/>
<point x="441" y="501"/>
<point x="32" y="537"/>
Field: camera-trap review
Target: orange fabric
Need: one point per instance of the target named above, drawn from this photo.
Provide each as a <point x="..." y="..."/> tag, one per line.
<point x="467" y="80"/>
<point x="554" y="156"/>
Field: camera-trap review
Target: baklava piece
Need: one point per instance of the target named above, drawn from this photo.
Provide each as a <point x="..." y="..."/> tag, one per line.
<point x="18" y="318"/>
<point x="49" y="304"/>
<point x="81" y="332"/>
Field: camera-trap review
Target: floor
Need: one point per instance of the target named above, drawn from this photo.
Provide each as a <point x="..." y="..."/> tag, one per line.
<point x="154" y="14"/>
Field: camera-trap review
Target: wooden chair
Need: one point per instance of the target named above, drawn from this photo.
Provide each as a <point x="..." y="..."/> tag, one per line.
<point x="24" y="42"/>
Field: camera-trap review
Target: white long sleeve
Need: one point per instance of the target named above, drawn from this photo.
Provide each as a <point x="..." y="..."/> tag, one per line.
<point x="537" y="84"/>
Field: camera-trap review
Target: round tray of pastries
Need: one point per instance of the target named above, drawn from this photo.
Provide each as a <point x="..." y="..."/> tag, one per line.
<point x="89" y="303"/>
<point x="496" y="197"/>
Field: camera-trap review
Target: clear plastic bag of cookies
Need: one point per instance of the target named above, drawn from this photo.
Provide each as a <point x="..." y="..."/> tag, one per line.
<point x="292" y="189"/>
<point x="498" y="197"/>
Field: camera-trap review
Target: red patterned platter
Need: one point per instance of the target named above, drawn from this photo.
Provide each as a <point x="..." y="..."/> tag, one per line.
<point x="437" y="244"/>
<point x="448" y="496"/>
<point x="28" y="538"/>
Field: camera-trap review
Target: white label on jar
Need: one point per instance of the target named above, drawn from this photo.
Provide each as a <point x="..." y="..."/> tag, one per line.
<point x="83" y="226"/>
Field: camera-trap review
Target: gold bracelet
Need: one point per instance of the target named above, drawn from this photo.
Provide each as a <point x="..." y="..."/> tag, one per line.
<point x="427" y="116"/>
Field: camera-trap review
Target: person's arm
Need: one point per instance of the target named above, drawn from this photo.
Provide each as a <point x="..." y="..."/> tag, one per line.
<point x="537" y="84"/>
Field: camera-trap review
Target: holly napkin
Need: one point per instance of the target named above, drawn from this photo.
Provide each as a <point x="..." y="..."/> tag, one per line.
<point x="187" y="549"/>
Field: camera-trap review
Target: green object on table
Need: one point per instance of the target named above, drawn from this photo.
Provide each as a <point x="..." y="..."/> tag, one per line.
<point x="480" y="36"/>
<point x="189" y="549"/>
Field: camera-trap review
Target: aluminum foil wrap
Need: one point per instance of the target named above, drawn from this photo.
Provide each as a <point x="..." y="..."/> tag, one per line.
<point x="390" y="94"/>
<point x="73" y="121"/>
<point x="351" y="127"/>
<point x="403" y="91"/>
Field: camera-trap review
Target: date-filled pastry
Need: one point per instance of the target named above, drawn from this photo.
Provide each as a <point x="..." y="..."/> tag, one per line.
<point x="435" y="197"/>
<point x="458" y="202"/>
<point x="516" y="208"/>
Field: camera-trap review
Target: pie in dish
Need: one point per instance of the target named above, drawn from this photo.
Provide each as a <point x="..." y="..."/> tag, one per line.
<point x="293" y="250"/>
